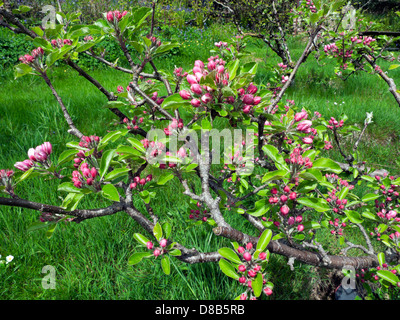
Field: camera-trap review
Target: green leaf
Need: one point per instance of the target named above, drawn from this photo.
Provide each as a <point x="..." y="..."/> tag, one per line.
<point x="173" y="102"/>
<point x="325" y="164"/>
<point x="264" y="240"/>
<point x="370" y="216"/>
<point x="273" y="154"/>
<point x="353" y="216"/>
<point x="388" y="276"/>
<point x="145" y="195"/>
<point x="343" y="193"/>
<point x="50" y="230"/>
<point x="127" y="150"/>
<point x="137" y="144"/>
<point x="274" y="175"/>
<point x="229" y="254"/>
<point x="232" y="69"/>
<point x="21" y="70"/>
<point x="228" y="269"/>
<point x="166" y="265"/>
<point x="137" y="257"/>
<point x="394" y="66"/>
<point x="105" y="162"/>
<point x="69" y="187"/>
<point x="306" y="186"/>
<point x="117" y="173"/>
<point x="165" y="178"/>
<point x="167" y="229"/>
<point x="109" y="137"/>
<point x="38" y="225"/>
<point x="320" y="205"/>
<point x="381" y="258"/>
<point x="110" y="192"/>
<point x="257" y="284"/>
<point x="157" y="230"/>
<point x="72" y="200"/>
<point x="370" y="197"/>
<point x="140" y="238"/>
<point x="66" y="156"/>
<point x="175" y="252"/>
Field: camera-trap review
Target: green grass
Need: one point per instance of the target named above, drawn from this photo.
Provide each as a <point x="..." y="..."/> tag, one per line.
<point x="91" y="258"/>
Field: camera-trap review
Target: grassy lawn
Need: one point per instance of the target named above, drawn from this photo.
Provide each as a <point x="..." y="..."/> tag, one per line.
<point x="91" y="258"/>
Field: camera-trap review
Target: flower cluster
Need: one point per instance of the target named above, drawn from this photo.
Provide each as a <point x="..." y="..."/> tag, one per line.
<point x="281" y="199"/>
<point x="364" y="40"/>
<point x="337" y="204"/>
<point x="311" y="6"/>
<point x="173" y="127"/>
<point x="333" y="123"/>
<point x="297" y="161"/>
<point x="115" y="16"/>
<point x="386" y="209"/>
<point x="199" y="213"/>
<point x="158" y="250"/>
<point x="86" y="177"/>
<point x="248" y="98"/>
<point x="178" y="72"/>
<point x="88" y="38"/>
<point x="34" y="58"/>
<point x="59" y="43"/>
<point x="337" y="226"/>
<point x="38" y="157"/>
<point x="140" y="182"/>
<point x="154" y="42"/>
<point x="249" y="270"/>
<point x="134" y="123"/>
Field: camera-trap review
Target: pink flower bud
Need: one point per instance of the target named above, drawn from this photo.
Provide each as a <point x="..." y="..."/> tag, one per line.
<point x="300" y="116"/>
<point x="252" y="89"/>
<point x="240" y="249"/>
<point x="181" y="152"/>
<point x="206" y="98"/>
<point x="149" y="245"/>
<point x="284" y="210"/>
<point x="247" y="256"/>
<point x="252" y="273"/>
<point x="110" y="16"/>
<point x="293" y="196"/>
<point x="267" y="291"/>
<point x="256" y="100"/>
<point x="31" y="154"/>
<point x="211" y="65"/>
<point x="184" y="94"/>
<point x="133" y="185"/>
<point x="248" y="99"/>
<point x="249" y="246"/>
<point x="163" y="243"/>
<point x="156" y="253"/>
<point x="242" y="280"/>
<point x="300" y="228"/>
<point x="195" y="103"/>
<point x="262" y="256"/>
<point x="199" y="63"/>
<point x="191" y="79"/>
<point x="196" y="88"/>
<point x="242" y="268"/>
